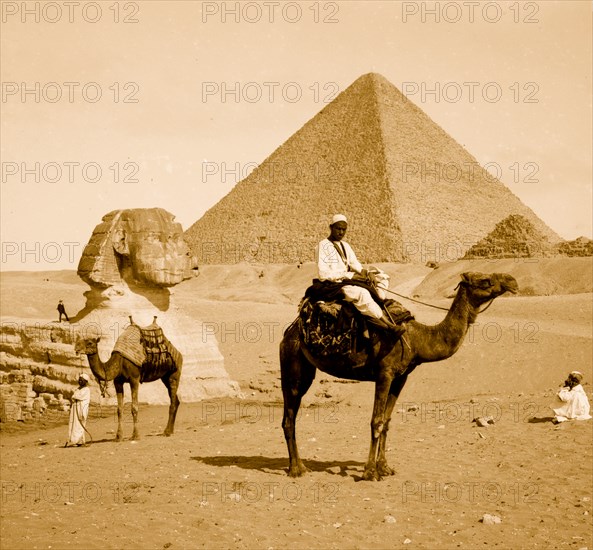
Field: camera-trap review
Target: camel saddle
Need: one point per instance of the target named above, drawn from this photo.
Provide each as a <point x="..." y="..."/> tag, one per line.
<point x="335" y="327"/>
<point x="147" y="347"/>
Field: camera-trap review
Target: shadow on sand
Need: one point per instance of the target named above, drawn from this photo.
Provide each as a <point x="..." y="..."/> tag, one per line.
<point x="90" y="443"/>
<point x="127" y="439"/>
<point x="540" y="419"/>
<point x="280" y="465"/>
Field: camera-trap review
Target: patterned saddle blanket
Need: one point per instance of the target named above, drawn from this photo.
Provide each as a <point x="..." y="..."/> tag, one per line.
<point x="147" y="347"/>
<point x="337" y="328"/>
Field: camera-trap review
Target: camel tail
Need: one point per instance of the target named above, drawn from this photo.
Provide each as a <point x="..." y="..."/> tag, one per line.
<point x="291" y="326"/>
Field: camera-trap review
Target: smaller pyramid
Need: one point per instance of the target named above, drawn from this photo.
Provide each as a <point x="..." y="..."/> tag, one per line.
<point x="513" y="237"/>
<point x="582" y="246"/>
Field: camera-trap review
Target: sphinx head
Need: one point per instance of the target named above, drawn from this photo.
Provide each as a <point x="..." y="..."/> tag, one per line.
<point x="141" y="246"/>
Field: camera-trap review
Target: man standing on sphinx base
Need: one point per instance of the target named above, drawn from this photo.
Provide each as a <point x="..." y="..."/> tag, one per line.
<point x="62" y="311"/>
<point x="336" y="262"/>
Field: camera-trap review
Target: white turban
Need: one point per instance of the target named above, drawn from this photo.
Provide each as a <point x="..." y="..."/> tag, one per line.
<point x="85" y="376"/>
<point x="338" y="218"/>
<point x="578" y="376"/>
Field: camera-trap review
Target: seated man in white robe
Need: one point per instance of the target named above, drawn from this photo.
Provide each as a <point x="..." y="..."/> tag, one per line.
<point x="79" y="411"/>
<point x="576" y="403"/>
<point x="337" y="262"/>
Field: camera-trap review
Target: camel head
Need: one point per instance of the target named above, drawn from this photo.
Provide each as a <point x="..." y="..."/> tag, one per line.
<point x="485" y="287"/>
<point x="86" y="346"/>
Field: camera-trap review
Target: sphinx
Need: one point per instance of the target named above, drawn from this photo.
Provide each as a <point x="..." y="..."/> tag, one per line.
<point x="131" y="262"/>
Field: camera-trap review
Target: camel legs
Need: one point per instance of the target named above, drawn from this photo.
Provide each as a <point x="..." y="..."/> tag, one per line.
<point x="134" y="386"/>
<point x="377" y="425"/>
<point x="297" y="376"/>
<point x="171" y="381"/>
<point x="397" y="385"/>
<point x="119" y="390"/>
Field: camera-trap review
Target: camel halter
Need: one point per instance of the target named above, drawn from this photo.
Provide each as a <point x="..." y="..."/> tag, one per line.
<point x="474" y="286"/>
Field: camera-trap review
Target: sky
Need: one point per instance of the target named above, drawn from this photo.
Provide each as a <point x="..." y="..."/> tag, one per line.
<point x="109" y="105"/>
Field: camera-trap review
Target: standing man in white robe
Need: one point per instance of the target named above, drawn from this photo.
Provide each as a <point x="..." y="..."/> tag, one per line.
<point x="337" y="262"/>
<point x="79" y="411"/>
<point x="576" y="403"/>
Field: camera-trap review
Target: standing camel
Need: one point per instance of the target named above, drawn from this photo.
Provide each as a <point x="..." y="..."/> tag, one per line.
<point x="388" y="363"/>
<point x="121" y="370"/>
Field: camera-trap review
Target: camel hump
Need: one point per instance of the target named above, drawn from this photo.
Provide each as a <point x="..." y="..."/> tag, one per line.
<point x="129" y="345"/>
<point x="148" y="348"/>
<point x="153" y="336"/>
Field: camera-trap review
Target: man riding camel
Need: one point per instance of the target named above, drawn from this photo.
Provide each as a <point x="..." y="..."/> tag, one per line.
<point x="337" y="262"/>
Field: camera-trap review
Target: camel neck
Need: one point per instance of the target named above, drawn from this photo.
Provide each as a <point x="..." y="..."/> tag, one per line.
<point x="441" y="341"/>
<point x="102" y="371"/>
<point x="461" y="313"/>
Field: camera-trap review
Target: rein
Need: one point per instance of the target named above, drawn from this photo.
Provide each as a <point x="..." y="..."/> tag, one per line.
<point x="413" y="300"/>
<point x="102" y="383"/>
<point x="74" y="404"/>
<point x="83" y="423"/>
<point x="487" y="306"/>
<point x="437" y="307"/>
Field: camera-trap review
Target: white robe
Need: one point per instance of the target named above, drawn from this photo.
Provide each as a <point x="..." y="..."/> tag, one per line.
<point x="79" y="411"/>
<point x="576" y="404"/>
<point x="332" y="267"/>
<point x="330" y="264"/>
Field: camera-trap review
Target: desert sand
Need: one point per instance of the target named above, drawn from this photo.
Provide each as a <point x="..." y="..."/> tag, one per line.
<point x="220" y="481"/>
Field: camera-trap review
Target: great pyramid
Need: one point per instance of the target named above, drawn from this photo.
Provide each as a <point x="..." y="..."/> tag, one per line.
<point x="410" y="191"/>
